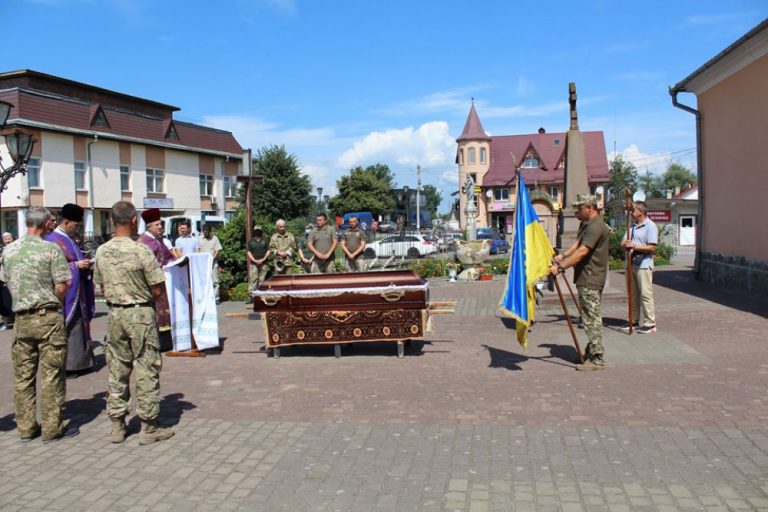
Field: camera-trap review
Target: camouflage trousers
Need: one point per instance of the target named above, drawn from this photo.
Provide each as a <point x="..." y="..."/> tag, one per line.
<point x="132" y="344"/>
<point x="324" y="266"/>
<point x="257" y="275"/>
<point x="592" y="318"/>
<point x="41" y="340"/>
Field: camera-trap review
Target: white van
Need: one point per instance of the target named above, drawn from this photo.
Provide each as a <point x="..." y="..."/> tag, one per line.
<point x="172" y="224"/>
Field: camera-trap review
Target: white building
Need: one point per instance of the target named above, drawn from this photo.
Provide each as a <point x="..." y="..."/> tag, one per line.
<point x="94" y="147"/>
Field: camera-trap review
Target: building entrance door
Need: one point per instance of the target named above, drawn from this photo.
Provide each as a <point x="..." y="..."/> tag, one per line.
<point x="687" y="230"/>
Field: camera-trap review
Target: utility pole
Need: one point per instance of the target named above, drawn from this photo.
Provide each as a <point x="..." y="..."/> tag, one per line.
<point x="418" y="199"/>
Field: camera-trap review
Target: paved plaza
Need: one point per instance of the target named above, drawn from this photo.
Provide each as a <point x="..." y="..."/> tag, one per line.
<point x="467" y="421"/>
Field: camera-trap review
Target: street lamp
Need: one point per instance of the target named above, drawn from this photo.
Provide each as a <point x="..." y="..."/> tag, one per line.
<point x="19" y="145"/>
<point x="407" y="211"/>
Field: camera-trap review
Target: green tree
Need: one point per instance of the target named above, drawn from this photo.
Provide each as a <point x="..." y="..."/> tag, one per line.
<point x="285" y="193"/>
<point x="364" y="190"/>
<point x="650" y="184"/>
<point x="623" y="176"/>
<point x="432" y="199"/>
<point x="677" y="175"/>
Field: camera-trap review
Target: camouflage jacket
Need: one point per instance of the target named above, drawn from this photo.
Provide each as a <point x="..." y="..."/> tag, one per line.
<point x="31" y="268"/>
<point x="126" y="270"/>
<point x="286" y="242"/>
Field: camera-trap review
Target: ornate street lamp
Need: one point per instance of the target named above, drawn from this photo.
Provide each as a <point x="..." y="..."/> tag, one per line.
<point x="19" y="145"/>
<point x="407" y="223"/>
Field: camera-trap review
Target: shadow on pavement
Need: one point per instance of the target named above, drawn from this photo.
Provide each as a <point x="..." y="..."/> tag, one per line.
<point x="82" y="411"/>
<point x="684" y="281"/>
<point x="511" y="361"/>
<point x="368" y="348"/>
<point x="172" y="407"/>
<point x="8" y="422"/>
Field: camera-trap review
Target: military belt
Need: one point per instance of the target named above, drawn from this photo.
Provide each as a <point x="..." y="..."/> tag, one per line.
<point x="39" y="311"/>
<point x="138" y="305"/>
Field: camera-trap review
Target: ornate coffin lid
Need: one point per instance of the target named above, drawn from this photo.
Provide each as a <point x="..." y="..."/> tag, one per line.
<point x="309" y="286"/>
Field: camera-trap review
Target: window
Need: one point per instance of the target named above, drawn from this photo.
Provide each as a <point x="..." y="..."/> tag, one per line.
<point x="553" y="191"/>
<point x="206" y="184"/>
<point x="125" y="178"/>
<point x="155" y="180"/>
<point x="531" y="162"/>
<point x="80" y="175"/>
<point x="501" y="194"/>
<point x="230" y="186"/>
<point x="461" y="157"/>
<point x="482" y="155"/>
<point x="472" y="155"/>
<point x="593" y="190"/>
<point x="33" y="173"/>
<point x="556" y="142"/>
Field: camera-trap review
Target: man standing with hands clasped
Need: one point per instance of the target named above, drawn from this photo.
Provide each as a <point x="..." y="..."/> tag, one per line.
<point x="589" y="258"/>
<point x="131" y="279"/>
<point x="353" y="245"/>
<point x="322" y="243"/>
<point x="644" y="238"/>
<point x="38" y="276"/>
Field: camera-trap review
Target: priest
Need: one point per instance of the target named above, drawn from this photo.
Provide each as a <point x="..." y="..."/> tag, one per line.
<point x="153" y="238"/>
<point x="80" y="303"/>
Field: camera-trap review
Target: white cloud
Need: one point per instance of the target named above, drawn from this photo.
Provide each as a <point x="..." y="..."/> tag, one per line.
<point x="450" y="178"/>
<point x="455" y="101"/>
<point x="656" y="163"/>
<point x="253" y="132"/>
<point x="430" y="145"/>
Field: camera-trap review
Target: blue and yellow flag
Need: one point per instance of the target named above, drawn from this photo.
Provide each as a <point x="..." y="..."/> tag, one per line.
<point x="530" y="261"/>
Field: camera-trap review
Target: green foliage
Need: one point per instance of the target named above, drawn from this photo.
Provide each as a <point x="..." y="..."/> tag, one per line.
<point x="285" y="193"/>
<point x="664" y="253"/>
<point x="239" y="293"/>
<point x="232" y="254"/>
<point x="615" y="250"/>
<point x="650" y="184"/>
<point x="497" y="266"/>
<point x="677" y="175"/>
<point x="432" y="199"/>
<point x="623" y="176"/>
<point x="364" y="190"/>
<point x="429" y="267"/>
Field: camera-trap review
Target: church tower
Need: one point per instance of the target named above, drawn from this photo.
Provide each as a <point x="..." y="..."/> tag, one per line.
<point x="473" y="157"/>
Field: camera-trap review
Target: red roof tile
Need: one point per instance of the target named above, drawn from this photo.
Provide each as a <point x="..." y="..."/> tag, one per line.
<point x="473" y="128"/>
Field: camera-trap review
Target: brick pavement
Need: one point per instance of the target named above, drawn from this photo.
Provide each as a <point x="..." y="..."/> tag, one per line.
<point x="467" y="421"/>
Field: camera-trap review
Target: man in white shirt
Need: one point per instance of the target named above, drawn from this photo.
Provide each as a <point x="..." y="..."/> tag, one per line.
<point x="186" y="243"/>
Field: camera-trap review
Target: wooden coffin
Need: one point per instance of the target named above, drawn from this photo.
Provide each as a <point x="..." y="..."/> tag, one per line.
<point x="342" y="308"/>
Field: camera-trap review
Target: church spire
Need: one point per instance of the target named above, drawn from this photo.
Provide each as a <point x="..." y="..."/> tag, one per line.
<point x="473" y="129"/>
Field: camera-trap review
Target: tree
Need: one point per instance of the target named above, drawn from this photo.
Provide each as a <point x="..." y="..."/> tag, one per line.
<point x="432" y="199"/>
<point x="677" y="175"/>
<point x="285" y="193"/>
<point x="623" y="176"/>
<point x="364" y="190"/>
<point x="650" y="184"/>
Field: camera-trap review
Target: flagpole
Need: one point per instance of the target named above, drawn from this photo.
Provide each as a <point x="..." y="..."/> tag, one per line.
<point x="578" y="308"/>
<point x="568" y="318"/>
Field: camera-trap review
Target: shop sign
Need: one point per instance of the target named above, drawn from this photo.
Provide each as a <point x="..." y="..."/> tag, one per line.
<point x="660" y="215"/>
<point x="165" y="203"/>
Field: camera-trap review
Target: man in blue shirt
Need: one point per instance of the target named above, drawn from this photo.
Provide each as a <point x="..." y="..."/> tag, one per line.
<point x="644" y="237"/>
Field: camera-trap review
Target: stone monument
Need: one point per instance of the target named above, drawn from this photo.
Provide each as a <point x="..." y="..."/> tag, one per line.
<point x="470" y="210"/>
<point x="575" y="178"/>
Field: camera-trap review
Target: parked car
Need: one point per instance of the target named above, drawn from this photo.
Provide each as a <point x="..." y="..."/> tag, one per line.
<point x="412" y="246"/>
<point x="447" y="240"/>
<point x="387" y="226"/>
<point x="499" y="244"/>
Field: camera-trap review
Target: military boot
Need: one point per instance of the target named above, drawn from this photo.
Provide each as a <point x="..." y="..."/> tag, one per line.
<point x="118" y="430"/>
<point x="151" y="433"/>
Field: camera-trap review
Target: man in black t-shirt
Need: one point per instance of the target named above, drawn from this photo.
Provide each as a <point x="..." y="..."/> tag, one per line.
<point x="257" y="254"/>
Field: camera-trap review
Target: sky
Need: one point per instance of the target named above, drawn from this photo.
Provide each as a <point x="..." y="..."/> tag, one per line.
<point x="359" y="82"/>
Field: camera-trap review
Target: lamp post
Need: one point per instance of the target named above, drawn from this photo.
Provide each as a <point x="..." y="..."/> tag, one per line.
<point x="407" y="223"/>
<point x="320" y="199"/>
<point x="19" y="145"/>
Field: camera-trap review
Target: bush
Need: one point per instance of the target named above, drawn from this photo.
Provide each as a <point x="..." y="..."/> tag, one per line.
<point x="239" y="293"/>
<point x="429" y="267"/>
<point x="499" y="266"/>
<point x="615" y="250"/>
<point x="664" y="253"/>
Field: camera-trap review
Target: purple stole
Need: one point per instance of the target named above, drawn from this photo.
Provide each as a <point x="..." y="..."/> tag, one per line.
<point x="81" y="293"/>
<point x="163" y="257"/>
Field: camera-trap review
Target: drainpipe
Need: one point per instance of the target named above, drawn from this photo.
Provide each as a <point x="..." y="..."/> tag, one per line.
<point x="91" y="220"/>
<point x="699" y="175"/>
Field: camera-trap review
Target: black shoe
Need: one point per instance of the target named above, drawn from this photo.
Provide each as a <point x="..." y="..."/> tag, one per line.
<point x="64" y="432"/>
<point x="34" y="435"/>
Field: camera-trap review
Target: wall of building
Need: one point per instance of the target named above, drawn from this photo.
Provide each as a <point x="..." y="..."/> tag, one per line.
<point x="735" y="165"/>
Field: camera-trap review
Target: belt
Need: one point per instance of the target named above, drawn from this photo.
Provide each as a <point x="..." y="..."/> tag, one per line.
<point x="38" y="311"/>
<point x="138" y="305"/>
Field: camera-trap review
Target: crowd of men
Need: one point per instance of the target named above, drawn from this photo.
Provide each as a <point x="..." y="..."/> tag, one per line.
<point x="316" y="254"/>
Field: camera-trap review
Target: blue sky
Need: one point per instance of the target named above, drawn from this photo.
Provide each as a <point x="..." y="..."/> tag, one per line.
<point x="344" y="83"/>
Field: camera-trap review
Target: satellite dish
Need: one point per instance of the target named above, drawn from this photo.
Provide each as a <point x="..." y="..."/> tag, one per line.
<point x="489" y="193"/>
<point x="639" y="195"/>
<point x="600" y="190"/>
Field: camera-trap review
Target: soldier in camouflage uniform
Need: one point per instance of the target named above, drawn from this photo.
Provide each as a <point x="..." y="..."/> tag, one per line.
<point x="589" y="258"/>
<point x="38" y="276"/>
<point x="283" y="246"/>
<point x="131" y="278"/>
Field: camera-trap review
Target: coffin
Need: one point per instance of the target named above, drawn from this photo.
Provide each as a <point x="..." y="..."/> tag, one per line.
<point x="342" y="308"/>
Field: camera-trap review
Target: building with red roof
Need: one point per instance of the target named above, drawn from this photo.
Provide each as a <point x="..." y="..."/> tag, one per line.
<point x="94" y="147"/>
<point x="490" y="161"/>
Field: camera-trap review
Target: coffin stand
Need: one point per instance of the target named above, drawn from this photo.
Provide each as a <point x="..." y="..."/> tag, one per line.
<point x="335" y="309"/>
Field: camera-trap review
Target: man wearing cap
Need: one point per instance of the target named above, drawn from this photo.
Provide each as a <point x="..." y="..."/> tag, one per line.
<point x="258" y="253"/>
<point x="38" y="276"/>
<point x="80" y="303"/>
<point x="589" y="258"/>
<point x="153" y="239"/>
<point x="131" y="280"/>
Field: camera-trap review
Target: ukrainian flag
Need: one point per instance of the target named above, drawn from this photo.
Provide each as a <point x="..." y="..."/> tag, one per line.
<point x="530" y="261"/>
